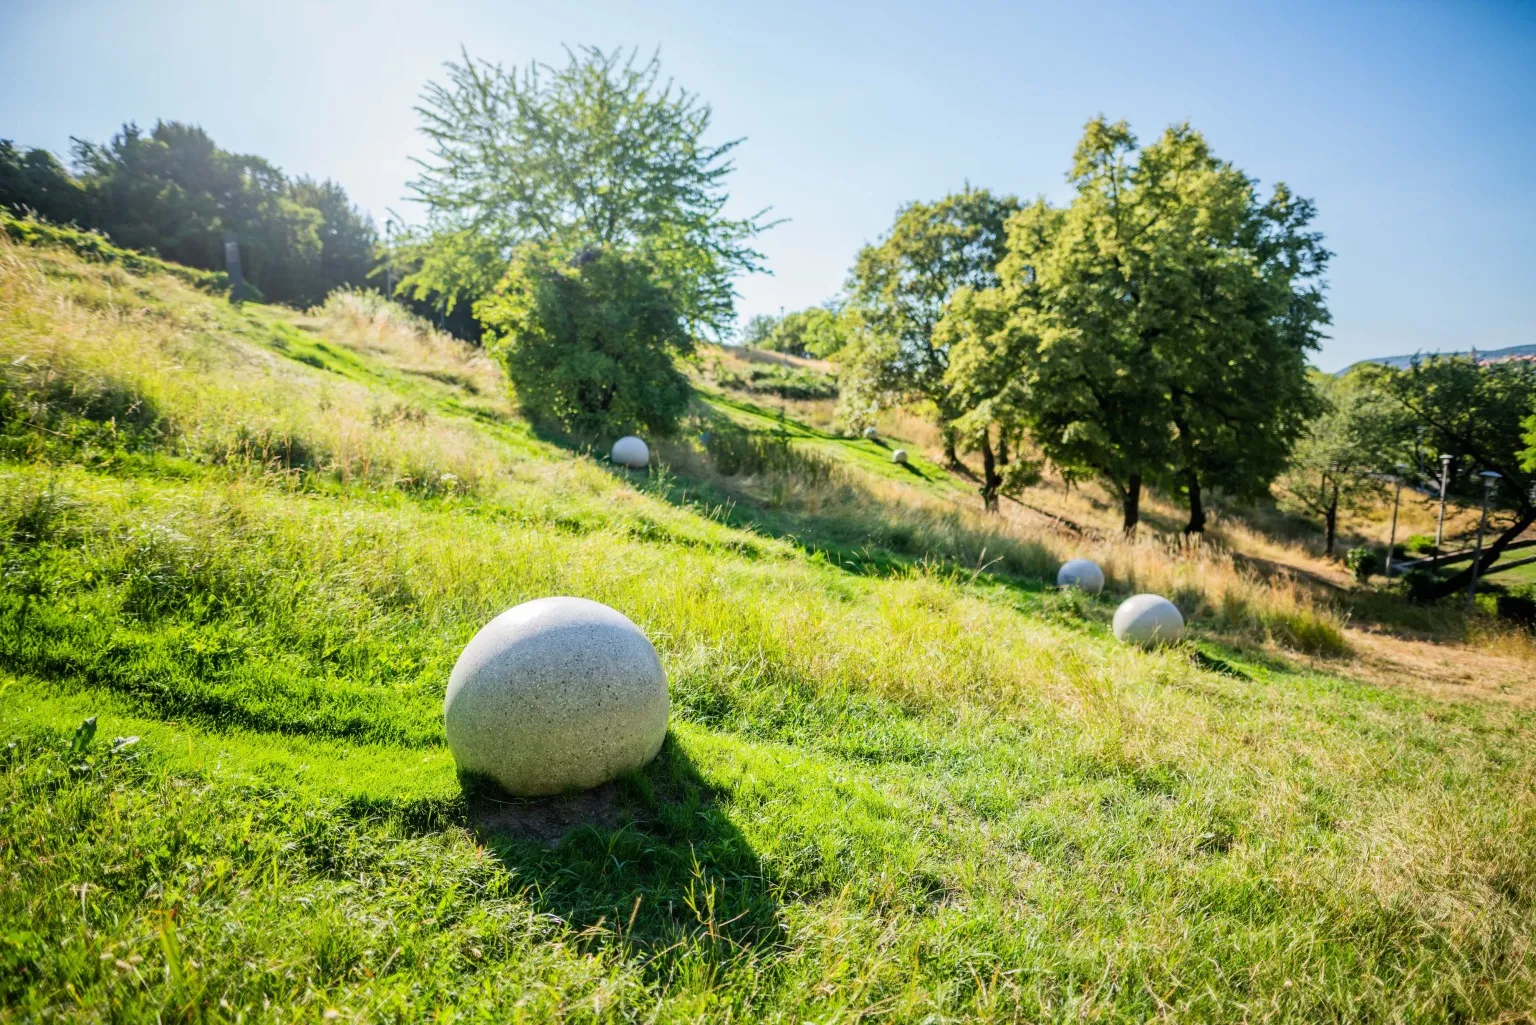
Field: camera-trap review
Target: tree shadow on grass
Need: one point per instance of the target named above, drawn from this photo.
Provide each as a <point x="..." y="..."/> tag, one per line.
<point x="651" y="861"/>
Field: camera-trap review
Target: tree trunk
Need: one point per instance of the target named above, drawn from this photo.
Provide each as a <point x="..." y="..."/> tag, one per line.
<point x="948" y="434"/>
<point x="1002" y="447"/>
<point x="1490" y="555"/>
<point x="990" y="481"/>
<point x="1331" y="525"/>
<point x="1196" y="524"/>
<point x="1130" y="501"/>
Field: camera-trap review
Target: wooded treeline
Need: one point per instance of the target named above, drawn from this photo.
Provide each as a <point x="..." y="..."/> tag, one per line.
<point x="173" y="193"/>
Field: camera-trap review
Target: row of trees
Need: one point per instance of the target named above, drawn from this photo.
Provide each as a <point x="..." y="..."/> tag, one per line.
<point x="1155" y="332"/>
<point x="173" y="193"/>
<point x="1152" y="332"/>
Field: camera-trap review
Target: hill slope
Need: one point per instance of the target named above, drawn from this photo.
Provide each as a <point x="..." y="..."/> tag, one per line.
<point x="903" y="782"/>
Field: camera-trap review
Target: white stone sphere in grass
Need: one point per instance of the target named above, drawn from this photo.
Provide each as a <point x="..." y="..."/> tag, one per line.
<point x="1083" y="574"/>
<point x="630" y="451"/>
<point x="871" y="434"/>
<point x="1148" y="620"/>
<point x="899" y="456"/>
<point x="556" y="695"/>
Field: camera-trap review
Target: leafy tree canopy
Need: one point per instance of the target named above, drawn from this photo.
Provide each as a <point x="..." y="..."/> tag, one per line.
<point x="172" y="192"/>
<point x="602" y="152"/>
<point x="589" y="340"/>
<point x="1160" y="321"/>
<point x="898" y="290"/>
<point x="817" y="332"/>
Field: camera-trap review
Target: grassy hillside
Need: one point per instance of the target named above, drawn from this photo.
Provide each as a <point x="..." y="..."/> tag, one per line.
<point x="905" y="780"/>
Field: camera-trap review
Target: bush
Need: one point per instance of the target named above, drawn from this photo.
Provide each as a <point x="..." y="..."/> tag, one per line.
<point x="1362" y="562"/>
<point x="589" y="342"/>
<point x="1421" y="545"/>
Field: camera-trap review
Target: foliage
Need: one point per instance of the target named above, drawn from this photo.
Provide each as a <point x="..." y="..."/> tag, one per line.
<point x="589" y="341"/>
<point x="897" y="784"/>
<point x="1159" y="296"/>
<point x="816" y="332"/>
<point x="35" y="182"/>
<point x="756" y="331"/>
<point x="734" y="451"/>
<point x="1421" y="544"/>
<point x="1363" y="562"/>
<point x="602" y="152"/>
<point x="897" y="292"/>
<point x="94" y="246"/>
<point x="785" y="382"/>
<point x="1338" y="461"/>
<point x="174" y="194"/>
<point x="1475" y="412"/>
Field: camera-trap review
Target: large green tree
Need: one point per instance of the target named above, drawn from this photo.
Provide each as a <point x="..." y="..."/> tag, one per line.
<point x="1162" y="319"/>
<point x="897" y="294"/>
<point x="600" y="152"/>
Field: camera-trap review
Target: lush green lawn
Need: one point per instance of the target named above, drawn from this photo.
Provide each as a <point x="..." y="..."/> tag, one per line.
<point x="893" y="789"/>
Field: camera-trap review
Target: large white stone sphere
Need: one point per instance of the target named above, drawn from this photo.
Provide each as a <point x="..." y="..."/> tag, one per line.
<point x="1148" y="620"/>
<point x="1083" y="574"/>
<point x="630" y="451"/>
<point x="899" y="456"/>
<point x="871" y="433"/>
<point x="556" y="695"/>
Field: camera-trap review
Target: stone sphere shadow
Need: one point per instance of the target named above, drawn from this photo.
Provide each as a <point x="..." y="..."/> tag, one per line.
<point x="650" y="861"/>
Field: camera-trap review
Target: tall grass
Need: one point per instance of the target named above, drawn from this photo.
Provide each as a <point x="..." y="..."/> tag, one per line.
<point x="912" y="785"/>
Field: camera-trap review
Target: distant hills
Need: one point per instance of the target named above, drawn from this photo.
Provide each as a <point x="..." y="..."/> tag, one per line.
<point x="1526" y="351"/>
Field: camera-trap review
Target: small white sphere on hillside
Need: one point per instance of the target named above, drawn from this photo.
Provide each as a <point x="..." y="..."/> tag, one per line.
<point x="630" y="451"/>
<point x="556" y="695"/>
<point x="899" y="456"/>
<point x="871" y="433"/>
<point x="1083" y="574"/>
<point x="1148" y="620"/>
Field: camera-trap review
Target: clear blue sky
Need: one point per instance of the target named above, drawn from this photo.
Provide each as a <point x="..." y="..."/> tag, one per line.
<point x="1413" y="126"/>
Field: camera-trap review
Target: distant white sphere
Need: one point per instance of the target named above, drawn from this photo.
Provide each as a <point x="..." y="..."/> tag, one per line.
<point x="1148" y="620"/>
<point x="630" y="451"/>
<point x="899" y="456"/>
<point x="1083" y="574"/>
<point x="871" y="433"/>
<point x="556" y="695"/>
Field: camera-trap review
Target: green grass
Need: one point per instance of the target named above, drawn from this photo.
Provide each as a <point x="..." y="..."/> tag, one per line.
<point x="920" y="794"/>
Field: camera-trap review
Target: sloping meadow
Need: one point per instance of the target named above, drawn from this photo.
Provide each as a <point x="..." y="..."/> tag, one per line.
<point x="914" y="794"/>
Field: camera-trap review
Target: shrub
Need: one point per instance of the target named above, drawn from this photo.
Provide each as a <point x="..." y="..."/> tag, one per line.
<point x="1421" y="544"/>
<point x="1362" y="562"/>
<point x="589" y="342"/>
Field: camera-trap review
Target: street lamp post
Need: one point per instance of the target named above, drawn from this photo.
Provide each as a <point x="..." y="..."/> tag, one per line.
<point x="1445" y="477"/>
<point x="1397" y="498"/>
<point x="1490" y="478"/>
